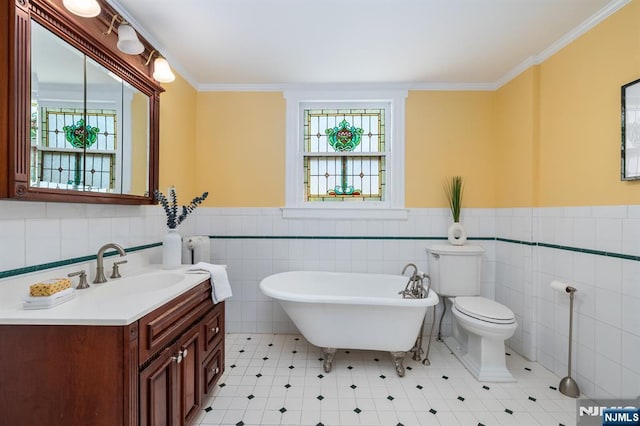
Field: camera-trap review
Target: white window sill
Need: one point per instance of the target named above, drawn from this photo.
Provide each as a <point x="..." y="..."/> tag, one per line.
<point x="344" y="213"/>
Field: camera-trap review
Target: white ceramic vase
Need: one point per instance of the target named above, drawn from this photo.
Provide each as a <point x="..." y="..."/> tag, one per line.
<point x="172" y="250"/>
<point x="456" y="234"/>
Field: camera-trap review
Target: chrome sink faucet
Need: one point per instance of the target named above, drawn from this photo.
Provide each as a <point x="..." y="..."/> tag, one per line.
<point x="100" y="278"/>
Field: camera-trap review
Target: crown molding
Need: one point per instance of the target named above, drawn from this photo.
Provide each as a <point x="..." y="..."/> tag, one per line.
<point x="585" y="26"/>
<point x="609" y="9"/>
<point x="516" y="71"/>
<point x="564" y="41"/>
<point x="283" y="87"/>
<point x="345" y="86"/>
<point x="453" y="86"/>
<point x="240" y="87"/>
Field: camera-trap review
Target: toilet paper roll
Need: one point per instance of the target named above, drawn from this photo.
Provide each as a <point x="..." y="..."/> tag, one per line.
<point x="562" y="287"/>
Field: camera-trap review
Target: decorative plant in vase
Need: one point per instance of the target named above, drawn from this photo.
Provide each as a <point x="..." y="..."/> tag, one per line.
<point x="172" y="242"/>
<point x="453" y="188"/>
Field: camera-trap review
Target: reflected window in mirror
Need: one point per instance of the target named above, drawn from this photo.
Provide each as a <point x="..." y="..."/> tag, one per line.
<point x="80" y="118"/>
<point x="66" y="146"/>
<point x="89" y="128"/>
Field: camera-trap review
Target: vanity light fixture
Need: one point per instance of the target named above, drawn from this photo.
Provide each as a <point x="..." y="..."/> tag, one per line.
<point x="83" y="8"/>
<point x="128" y="41"/>
<point x="161" y="70"/>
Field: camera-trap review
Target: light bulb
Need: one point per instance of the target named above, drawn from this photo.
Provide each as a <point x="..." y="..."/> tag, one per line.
<point x="83" y="8"/>
<point x="128" y="41"/>
<point x="162" y="71"/>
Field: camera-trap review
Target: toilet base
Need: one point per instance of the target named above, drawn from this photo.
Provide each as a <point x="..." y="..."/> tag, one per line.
<point x="494" y="371"/>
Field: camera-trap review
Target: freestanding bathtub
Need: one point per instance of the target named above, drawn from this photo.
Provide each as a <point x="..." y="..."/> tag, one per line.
<point x="351" y="311"/>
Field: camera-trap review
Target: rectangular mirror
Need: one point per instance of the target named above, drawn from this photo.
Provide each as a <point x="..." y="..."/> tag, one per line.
<point x="630" y="152"/>
<point x="79" y="119"/>
<point x="89" y="128"/>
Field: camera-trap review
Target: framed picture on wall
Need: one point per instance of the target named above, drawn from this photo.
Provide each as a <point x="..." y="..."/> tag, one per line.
<point x="630" y="148"/>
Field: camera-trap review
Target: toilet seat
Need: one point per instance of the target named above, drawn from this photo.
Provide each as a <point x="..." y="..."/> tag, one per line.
<point x="484" y="309"/>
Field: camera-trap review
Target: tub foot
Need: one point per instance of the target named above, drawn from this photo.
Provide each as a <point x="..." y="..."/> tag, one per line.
<point x="328" y="354"/>
<point x="397" y="358"/>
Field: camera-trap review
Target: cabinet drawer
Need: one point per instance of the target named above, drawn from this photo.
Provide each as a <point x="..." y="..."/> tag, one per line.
<point x="162" y="326"/>
<point x="213" y="327"/>
<point x="213" y="367"/>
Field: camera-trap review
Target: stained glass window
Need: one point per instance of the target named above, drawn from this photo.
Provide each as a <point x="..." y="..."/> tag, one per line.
<point x="344" y="154"/>
<point x="78" y="148"/>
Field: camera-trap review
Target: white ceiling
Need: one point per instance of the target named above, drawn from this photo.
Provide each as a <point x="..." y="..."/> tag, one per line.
<point x="418" y="43"/>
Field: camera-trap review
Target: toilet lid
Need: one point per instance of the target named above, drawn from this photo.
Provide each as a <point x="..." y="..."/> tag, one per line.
<point x="484" y="309"/>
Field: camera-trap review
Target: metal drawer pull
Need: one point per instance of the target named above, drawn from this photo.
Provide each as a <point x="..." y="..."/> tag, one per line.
<point x="215" y="370"/>
<point x="215" y="330"/>
<point x="181" y="355"/>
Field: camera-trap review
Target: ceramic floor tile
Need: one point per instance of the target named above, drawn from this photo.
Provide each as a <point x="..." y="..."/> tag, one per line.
<point x="279" y="380"/>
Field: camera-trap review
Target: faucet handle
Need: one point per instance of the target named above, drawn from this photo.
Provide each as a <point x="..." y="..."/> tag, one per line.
<point x="82" y="284"/>
<point x="115" y="273"/>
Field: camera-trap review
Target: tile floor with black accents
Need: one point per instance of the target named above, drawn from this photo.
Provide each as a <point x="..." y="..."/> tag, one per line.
<point x="278" y="380"/>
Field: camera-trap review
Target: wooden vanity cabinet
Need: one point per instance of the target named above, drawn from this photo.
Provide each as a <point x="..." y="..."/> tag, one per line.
<point x="155" y="371"/>
<point x="213" y="353"/>
<point x="170" y="384"/>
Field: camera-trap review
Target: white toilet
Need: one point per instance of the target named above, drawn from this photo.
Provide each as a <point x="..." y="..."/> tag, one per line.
<point x="481" y="325"/>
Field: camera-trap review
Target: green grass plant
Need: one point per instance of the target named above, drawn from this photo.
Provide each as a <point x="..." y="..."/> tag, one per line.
<point x="454" y="188"/>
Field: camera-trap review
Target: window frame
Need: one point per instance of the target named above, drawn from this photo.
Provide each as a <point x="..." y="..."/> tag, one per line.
<point x="66" y="96"/>
<point x="394" y="102"/>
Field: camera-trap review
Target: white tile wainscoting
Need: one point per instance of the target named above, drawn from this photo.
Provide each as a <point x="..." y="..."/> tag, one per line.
<point x="596" y="249"/>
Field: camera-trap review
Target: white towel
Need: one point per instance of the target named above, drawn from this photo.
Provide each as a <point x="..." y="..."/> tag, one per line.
<point x="221" y="289"/>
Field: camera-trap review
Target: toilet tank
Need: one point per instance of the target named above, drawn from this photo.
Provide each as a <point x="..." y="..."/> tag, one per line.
<point x="455" y="270"/>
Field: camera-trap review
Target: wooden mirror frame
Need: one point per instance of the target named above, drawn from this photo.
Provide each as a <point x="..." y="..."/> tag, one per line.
<point x="86" y="35"/>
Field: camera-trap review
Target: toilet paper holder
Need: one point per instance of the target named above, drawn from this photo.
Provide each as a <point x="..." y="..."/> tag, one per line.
<point x="568" y="386"/>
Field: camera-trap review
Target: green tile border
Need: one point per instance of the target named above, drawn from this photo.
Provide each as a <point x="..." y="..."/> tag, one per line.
<point x="57" y="264"/>
<point x="403" y="238"/>
<point x="334" y="237"/>
<point x="507" y="240"/>
<point x="44" y="266"/>
<point x="590" y="251"/>
<point x="574" y="249"/>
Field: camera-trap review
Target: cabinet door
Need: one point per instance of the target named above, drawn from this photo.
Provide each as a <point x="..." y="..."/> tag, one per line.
<point x="212" y="368"/>
<point x="213" y="328"/>
<point x="189" y="346"/>
<point x="159" y="384"/>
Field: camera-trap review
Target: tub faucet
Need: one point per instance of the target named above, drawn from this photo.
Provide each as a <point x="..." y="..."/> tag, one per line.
<point x="100" y="278"/>
<point x="410" y="265"/>
<point x="415" y="286"/>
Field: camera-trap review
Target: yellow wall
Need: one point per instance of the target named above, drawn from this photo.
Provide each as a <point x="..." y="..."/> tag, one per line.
<point x="515" y="160"/>
<point x="139" y="143"/>
<point x="549" y="137"/>
<point x="447" y="134"/>
<point x="240" y="148"/>
<point x="177" y="139"/>
<point x="580" y="115"/>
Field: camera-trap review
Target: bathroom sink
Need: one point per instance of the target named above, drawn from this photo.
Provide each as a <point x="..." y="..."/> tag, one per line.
<point x="144" y="283"/>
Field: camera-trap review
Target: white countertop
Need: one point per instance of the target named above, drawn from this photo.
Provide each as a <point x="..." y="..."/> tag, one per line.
<point x="116" y="302"/>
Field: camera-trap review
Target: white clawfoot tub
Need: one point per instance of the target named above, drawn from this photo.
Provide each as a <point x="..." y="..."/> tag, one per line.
<point x="351" y="310"/>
